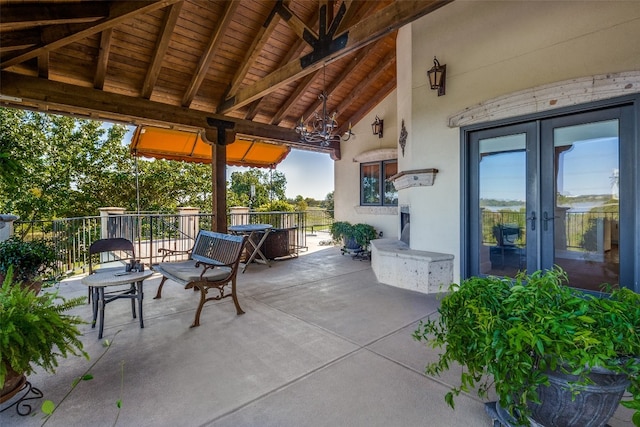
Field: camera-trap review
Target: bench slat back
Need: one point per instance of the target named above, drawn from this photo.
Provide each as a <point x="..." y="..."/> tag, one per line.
<point x="217" y="248"/>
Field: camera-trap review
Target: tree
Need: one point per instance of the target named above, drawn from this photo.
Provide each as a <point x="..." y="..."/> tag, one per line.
<point x="268" y="186"/>
<point x="64" y="167"/>
<point x="328" y="204"/>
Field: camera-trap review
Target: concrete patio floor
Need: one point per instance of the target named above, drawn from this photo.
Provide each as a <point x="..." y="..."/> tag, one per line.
<point x="322" y="343"/>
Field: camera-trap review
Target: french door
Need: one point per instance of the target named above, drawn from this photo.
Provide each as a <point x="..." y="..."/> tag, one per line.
<point x="552" y="192"/>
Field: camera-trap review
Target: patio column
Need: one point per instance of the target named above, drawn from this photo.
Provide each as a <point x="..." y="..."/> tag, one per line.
<point x="104" y="220"/>
<point x="6" y="226"/>
<point x="189" y="221"/>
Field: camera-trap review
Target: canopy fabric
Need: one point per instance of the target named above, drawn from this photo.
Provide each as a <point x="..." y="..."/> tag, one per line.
<point x="170" y="144"/>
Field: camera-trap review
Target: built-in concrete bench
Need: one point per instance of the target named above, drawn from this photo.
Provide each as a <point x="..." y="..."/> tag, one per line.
<point x="395" y="263"/>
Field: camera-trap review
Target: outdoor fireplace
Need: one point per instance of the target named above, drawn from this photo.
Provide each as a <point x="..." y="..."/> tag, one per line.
<point x="404" y="224"/>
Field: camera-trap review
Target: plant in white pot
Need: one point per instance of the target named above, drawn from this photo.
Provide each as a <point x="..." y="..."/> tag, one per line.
<point x="534" y="335"/>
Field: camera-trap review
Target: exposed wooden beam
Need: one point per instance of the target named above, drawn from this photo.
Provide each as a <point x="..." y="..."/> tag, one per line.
<point x="383" y="65"/>
<point x="260" y="39"/>
<point x="209" y="53"/>
<point x="56" y="36"/>
<point x="168" y="25"/>
<point x="122" y="108"/>
<point x="302" y="87"/>
<point x="103" y="58"/>
<point x="365" y="109"/>
<point x="43" y="65"/>
<point x="386" y="20"/>
<point x="25" y="15"/>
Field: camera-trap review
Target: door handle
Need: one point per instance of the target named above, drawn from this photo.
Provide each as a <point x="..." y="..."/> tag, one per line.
<point x="546" y="218"/>
<point x="532" y="218"/>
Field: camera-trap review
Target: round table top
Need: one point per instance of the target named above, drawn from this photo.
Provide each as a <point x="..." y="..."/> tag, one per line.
<point x="242" y="228"/>
<point x="113" y="278"/>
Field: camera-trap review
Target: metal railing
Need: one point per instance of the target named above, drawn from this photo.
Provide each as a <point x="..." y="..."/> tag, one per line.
<point x="72" y="237"/>
<point x="579" y="227"/>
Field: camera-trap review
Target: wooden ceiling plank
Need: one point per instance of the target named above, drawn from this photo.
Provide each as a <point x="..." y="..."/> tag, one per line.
<point x="209" y="53"/>
<point x="103" y="58"/>
<point x="14" y="40"/>
<point x="20" y="16"/>
<point x="162" y="45"/>
<point x="302" y="87"/>
<point x="382" y="66"/>
<point x="370" y="29"/>
<point x="366" y="108"/>
<point x="259" y="41"/>
<point x="120" y="11"/>
<point x="43" y="65"/>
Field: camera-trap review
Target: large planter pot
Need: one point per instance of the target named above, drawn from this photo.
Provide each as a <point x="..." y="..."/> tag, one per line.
<point x="13" y="383"/>
<point x="593" y="406"/>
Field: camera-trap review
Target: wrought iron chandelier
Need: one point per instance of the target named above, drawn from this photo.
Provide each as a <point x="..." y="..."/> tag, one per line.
<point x="321" y="129"/>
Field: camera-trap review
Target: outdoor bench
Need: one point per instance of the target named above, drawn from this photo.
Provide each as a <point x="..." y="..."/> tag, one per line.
<point x="213" y="263"/>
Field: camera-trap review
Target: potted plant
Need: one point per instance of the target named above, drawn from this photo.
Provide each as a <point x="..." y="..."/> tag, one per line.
<point x="30" y="260"/>
<point x="342" y="231"/>
<point x="35" y="332"/>
<point x="534" y="335"/>
<point x="354" y="237"/>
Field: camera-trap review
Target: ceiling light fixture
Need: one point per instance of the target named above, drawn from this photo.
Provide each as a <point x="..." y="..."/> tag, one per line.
<point x="321" y="129"/>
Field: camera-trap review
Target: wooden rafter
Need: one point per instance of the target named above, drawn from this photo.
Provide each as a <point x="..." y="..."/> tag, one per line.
<point x="103" y="58"/>
<point x="386" y="20"/>
<point x="24" y="15"/>
<point x="302" y="88"/>
<point x="168" y="25"/>
<point x="54" y="37"/>
<point x="209" y="53"/>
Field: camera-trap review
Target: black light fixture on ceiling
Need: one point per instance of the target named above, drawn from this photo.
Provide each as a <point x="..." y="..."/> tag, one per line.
<point x="437" y="76"/>
<point x="322" y="128"/>
<point x="377" y="127"/>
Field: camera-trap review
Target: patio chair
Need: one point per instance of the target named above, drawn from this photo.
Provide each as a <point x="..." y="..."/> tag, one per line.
<point x="112" y="253"/>
<point x="507" y="252"/>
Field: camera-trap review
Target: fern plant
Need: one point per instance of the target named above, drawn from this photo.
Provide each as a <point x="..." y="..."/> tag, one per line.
<point x="35" y="331"/>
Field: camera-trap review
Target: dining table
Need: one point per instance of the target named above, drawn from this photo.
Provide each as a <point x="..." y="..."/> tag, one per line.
<point x="257" y="235"/>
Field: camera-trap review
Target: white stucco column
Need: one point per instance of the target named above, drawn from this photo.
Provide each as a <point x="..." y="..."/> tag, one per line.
<point x="189" y="221"/>
<point x="6" y="226"/>
<point x="104" y="216"/>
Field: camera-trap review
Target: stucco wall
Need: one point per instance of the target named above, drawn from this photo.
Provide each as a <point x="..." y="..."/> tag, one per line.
<point x="347" y="172"/>
<point x="490" y="49"/>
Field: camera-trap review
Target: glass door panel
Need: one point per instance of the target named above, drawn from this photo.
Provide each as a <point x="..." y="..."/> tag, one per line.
<point x="583" y="220"/>
<point x="502" y="191"/>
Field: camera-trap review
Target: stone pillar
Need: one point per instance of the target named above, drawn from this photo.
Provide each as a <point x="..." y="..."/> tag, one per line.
<point x="239" y="215"/>
<point x="104" y="219"/>
<point x="6" y="226"/>
<point x="189" y="222"/>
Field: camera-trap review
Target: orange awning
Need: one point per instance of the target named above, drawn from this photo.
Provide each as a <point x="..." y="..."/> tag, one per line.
<point x="159" y="143"/>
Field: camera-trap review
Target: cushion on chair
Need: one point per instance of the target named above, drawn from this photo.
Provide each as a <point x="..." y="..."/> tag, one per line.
<point x="188" y="272"/>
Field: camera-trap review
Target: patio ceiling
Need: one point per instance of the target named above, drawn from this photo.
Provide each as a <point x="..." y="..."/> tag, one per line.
<point x="255" y="66"/>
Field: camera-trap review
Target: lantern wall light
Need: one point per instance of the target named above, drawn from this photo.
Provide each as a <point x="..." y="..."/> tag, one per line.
<point x="377" y="127"/>
<point x="437" y="76"/>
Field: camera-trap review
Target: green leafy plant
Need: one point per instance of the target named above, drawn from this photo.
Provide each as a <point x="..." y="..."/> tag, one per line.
<point x="35" y="331"/>
<point x="30" y="259"/>
<point x="509" y="333"/>
<point x="341" y="230"/>
<point x="364" y="234"/>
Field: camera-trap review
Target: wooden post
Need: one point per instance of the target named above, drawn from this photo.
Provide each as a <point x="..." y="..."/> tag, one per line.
<point x="224" y="135"/>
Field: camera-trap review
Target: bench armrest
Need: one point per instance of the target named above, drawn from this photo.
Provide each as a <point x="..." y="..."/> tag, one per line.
<point x="165" y="252"/>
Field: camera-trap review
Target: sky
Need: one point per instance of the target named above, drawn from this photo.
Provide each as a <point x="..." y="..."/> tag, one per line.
<point x="308" y="173"/>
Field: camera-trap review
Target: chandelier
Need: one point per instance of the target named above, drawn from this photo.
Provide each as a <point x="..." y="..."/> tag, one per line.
<point x="321" y="129"/>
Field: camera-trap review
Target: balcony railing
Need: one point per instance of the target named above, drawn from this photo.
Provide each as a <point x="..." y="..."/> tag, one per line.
<point x="151" y="231"/>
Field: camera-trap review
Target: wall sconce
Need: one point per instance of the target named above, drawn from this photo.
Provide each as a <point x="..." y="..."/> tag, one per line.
<point x="377" y="127"/>
<point x="437" y="76"/>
